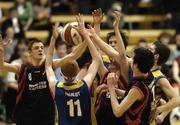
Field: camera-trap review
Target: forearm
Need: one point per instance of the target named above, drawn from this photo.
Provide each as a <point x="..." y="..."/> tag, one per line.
<point x="120" y="92"/>
<point x="123" y="62"/>
<point x="105" y="47"/>
<point x="78" y="51"/>
<point x="97" y="28"/>
<point x="49" y="56"/>
<point x="170" y="105"/>
<point x="120" y="44"/>
<point x="94" y="52"/>
<point x="114" y="102"/>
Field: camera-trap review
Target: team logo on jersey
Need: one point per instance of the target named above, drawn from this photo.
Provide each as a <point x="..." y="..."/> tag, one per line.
<point x="30" y="77"/>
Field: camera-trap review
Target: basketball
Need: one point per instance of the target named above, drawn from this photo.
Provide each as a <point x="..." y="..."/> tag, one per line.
<point x="70" y="35"/>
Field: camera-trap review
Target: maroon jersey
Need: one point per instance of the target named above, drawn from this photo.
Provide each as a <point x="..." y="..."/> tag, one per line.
<point x="133" y="116"/>
<point x="34" y="103"/>
<point x="103" y="109"/>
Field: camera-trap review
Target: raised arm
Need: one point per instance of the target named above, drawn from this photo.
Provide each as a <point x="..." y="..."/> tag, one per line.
<point x="92" y="70"/>
<point x="74" y="55"/>
<point x="133" y="95"/>
<point x="49" y="60"/>
<point x="3" y="65"/>
<point x="97" y="19"/>
<point x="120" y="45"/>
<point x="110" y="51"/>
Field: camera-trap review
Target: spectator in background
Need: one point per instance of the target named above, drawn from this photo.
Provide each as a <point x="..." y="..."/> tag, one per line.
<point x="25" y="12"/>
<point x="41" y="15"/>
<point x="14" y="22"/>
<point x="172" y="10"/>
<point x="12" y="84"/>
<point x="116" y="6"/>
<point x="177" y="51"/>
<point x="165" y="38"/>
<point x="142" y="43"/>
<point x="61" y="51"/>
<point x="12" y="44"/>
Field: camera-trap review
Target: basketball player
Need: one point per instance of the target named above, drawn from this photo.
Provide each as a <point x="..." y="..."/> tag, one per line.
<point x="73" y="96"/>
<point x="34" y="102"/>
<point x="161" y="55"/>
<point x="136" y="97"/>
<point x="103" y="110"/>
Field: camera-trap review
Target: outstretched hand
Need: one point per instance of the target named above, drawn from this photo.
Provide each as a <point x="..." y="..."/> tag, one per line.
<point x="80" y="27"/>
<point x="117" y="18"/>
<point x="97" y="16"/>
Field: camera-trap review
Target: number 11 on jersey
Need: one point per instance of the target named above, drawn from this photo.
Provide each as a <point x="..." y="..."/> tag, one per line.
<point x="72" y="105"/>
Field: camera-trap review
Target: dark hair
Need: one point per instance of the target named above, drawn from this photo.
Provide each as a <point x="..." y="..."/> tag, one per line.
<point x="123" y="35"/>
<point x="32" y="41"/>
<point x="144" y="58"/>
<point x="164" y="34"/>
<point x="60" y="43"/>
<point x="163" y="51"/>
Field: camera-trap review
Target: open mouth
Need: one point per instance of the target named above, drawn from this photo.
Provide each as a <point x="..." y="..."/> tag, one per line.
<point x="40" y="54"/>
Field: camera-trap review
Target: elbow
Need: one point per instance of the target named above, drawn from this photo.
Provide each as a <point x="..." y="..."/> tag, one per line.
<point x="117" y="113"/>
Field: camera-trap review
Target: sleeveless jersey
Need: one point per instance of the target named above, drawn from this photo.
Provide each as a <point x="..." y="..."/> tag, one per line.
<point x="133" y="116"/>
<point x="34" y="102"/>
<point x="73" y="103"/>
<point x="103" y="109"/>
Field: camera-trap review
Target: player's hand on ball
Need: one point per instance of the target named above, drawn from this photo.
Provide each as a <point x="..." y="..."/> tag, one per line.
<point x="81" y="28"/>
<point x="117" y="17"/>
<point x="97" y="16"/>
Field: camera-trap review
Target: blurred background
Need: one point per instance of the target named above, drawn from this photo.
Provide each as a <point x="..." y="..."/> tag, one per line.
<point x="143" y="21"/>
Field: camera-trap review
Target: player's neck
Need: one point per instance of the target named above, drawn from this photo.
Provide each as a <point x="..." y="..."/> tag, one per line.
<point x="154" y="67"/>
<point x="137" y="73"/>
<point x="68" y="80"/>
<point x="37" y="63"/>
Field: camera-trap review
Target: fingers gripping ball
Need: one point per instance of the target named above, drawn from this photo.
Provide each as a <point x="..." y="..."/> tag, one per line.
<point x="70" y="34"/>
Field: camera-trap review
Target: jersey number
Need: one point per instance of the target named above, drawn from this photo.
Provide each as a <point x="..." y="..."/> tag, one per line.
<point x="71" y="105"/>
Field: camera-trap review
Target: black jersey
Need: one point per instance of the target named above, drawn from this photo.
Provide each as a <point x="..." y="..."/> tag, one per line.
<point x="133" y="116"/>
<point x="103" y="109"/>
<point x="34" y="103"/>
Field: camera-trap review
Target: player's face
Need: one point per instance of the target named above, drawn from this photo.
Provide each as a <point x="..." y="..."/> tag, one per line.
<point x="37" y="51"/>
<point x="113" y="42"/>
<point x="62" y="50"/>
<point x="152" y="48"/>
